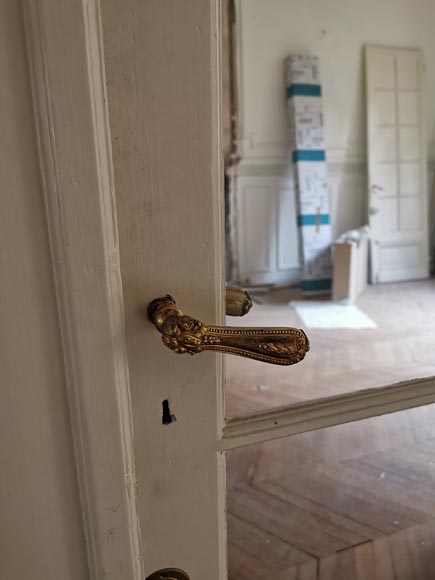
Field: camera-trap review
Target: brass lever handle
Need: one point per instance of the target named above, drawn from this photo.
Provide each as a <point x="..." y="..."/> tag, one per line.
<point x="184" y="334"/>
<point x="237" y="301"/>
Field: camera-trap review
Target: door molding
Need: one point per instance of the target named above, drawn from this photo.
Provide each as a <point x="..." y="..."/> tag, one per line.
<point x="66" y="60"/>
<point x="326" y="412"/>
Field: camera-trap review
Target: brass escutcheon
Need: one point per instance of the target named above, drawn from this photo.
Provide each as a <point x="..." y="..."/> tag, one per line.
<point x="168" y="574"/>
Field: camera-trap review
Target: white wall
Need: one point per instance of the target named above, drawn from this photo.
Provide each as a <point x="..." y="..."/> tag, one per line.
<point x="336" y="31"/>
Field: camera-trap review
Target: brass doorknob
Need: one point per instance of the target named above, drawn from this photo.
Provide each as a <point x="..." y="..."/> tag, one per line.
<point x="184" y="334"/>
<point x="237" y="301"/>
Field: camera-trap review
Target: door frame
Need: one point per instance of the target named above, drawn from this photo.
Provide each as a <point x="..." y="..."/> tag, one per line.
<point x="66" y="61"/>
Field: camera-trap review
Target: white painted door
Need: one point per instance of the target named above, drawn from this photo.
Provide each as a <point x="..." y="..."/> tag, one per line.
<point x="163" y="78"/>
<point x="127" y="108"/>
<point x="397" y="164"/>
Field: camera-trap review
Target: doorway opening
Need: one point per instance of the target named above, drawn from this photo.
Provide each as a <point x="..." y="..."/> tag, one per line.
<point x="329" y="148"/>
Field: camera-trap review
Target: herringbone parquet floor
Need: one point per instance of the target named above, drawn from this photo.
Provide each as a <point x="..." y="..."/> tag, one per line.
<point x="354" y="502"/>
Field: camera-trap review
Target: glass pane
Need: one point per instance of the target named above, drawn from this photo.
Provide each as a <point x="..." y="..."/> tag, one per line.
<point x="325" y="189"/>
<point x="340" y="360"/>
<point x="352" y="502"/>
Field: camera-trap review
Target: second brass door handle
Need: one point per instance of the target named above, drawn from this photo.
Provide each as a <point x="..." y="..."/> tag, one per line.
<point x="185" y="334"/>
<point x="237" y="301"/>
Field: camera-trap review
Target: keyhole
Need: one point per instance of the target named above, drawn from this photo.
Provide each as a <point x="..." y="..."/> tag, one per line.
<point x="167" y="417"/>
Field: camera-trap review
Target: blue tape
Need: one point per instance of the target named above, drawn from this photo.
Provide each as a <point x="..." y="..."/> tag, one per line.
<point x="304" y="90"/>
<point x="313" y="220"/>
<point x="308" y="155"/>
<point x="316" y="285"/>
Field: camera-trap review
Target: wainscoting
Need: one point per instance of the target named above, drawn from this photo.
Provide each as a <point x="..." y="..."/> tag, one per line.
<point x="265" y="234"/>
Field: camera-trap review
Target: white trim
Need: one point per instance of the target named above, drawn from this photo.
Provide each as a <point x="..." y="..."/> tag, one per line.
<point x="170" y="200"/>
<point x="320" y="413"/>
<point x="67" y="71"/>
<point x="243" y="143"/>
<point x="217" y="166"/>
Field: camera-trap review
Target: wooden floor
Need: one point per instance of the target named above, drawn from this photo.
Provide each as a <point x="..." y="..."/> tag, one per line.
<point x="352" y="502"/>
<point x="339" y="360"/>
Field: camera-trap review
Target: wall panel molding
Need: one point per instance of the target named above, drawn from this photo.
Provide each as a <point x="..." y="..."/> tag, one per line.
<point x="266" y="239"/>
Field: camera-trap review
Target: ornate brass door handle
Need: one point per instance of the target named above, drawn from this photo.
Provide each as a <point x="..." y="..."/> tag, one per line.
<point x="184" y="334"/>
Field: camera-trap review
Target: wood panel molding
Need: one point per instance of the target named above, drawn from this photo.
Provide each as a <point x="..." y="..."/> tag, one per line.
<point x="272" y="185"/>
<point x="66" y="60"/>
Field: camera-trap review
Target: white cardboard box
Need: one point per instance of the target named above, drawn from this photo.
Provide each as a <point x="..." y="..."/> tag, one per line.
<point x="350" y="269"/>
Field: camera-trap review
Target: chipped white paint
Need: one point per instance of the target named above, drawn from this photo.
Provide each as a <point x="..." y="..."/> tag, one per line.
<point x="162" y="67"/>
